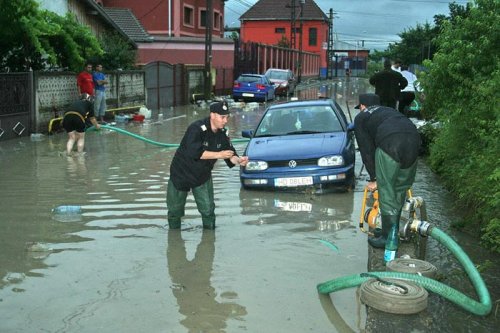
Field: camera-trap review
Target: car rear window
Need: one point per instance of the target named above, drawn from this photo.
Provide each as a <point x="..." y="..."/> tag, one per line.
<point x="248" y="78"/>
<point x="277" y="75"/>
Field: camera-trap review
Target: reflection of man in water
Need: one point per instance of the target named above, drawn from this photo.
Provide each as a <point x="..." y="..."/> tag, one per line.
<point x="192" y="289"/>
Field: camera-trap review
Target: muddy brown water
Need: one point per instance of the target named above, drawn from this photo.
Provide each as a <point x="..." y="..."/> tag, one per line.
<point x="117" y="268"/>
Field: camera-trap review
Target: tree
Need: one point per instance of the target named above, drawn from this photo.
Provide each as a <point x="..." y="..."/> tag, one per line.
<point x="118" y="53"/>
<point x="461" y="92"/>
<point x="419" y="43"/>
<point x="283" y="42"/>
<point x="34" y="39"/>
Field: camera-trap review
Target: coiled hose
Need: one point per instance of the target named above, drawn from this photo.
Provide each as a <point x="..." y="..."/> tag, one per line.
<point x="481" y="308"/>
<point x="161" y="144"/>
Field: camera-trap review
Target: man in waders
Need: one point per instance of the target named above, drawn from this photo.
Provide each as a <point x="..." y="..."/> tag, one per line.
<point x="389" y="144"/>
<point x="204" y="142"/>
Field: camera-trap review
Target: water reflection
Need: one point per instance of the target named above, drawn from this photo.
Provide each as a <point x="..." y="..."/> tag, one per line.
<point x="191" y="285"/>
<point x="325" y="212"/>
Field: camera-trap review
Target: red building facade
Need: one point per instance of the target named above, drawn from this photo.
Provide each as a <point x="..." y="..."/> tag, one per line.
<point x="178" y="28"/>
<point x="174" y="18"/>
<point x="270" y="22"/>
<point x="314" y="38"/>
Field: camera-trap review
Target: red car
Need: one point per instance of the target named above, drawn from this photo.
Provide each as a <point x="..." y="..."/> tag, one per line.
<point x="283" y="79"/>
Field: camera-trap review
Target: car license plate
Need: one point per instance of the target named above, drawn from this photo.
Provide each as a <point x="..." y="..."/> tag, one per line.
<point x="247" y="95"/>
<point x="293" y="182"/>
<point x="290" y="206"/>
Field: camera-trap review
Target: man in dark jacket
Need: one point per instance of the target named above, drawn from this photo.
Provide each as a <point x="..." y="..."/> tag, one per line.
<point x="204" y="142"/>
<point x="74" y="122"/>
<point x="389" y="144"/>
<point x="388" y="84"/>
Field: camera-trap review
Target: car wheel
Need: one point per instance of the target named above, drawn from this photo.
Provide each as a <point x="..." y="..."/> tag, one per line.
<point x="350" y="185"/>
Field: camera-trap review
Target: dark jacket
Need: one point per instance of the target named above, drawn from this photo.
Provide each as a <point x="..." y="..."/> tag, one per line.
<point x="187" y="169"/>
<point x="387" y="129"/>
<point x="388" y="85"/>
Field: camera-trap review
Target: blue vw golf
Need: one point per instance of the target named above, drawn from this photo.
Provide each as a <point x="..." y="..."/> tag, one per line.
<point x="300" y="144"/>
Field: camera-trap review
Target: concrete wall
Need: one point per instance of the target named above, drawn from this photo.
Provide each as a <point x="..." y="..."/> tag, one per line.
<point x="55" y="91"/>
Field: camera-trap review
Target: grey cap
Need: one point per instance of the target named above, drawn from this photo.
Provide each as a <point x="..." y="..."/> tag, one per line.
<point x="368" y="100"/>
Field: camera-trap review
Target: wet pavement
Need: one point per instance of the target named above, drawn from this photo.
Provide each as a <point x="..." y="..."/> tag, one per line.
<point x="117" y="268"/>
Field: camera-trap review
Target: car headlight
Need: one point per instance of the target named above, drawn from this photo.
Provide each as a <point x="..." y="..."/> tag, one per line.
<point x="256" y="166"/>
<point x="333" y="160"/>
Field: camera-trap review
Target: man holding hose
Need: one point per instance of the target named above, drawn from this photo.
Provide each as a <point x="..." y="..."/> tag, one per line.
<point x="74" y="122"/>
<point x="204" y="142"/>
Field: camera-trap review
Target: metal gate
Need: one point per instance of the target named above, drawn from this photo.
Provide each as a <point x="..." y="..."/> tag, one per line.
<point x="16" y="105"/>
<point x="164" y="86"/>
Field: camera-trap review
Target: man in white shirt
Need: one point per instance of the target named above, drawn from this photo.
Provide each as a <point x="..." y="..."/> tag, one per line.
<point x="408" y="93"/>
<point x="396" y="66"/>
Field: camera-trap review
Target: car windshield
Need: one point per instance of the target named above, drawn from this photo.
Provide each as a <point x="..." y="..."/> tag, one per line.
<point x="249" y="78"/>
<point x="277" y="75"/>
<point x="298" y="120"/>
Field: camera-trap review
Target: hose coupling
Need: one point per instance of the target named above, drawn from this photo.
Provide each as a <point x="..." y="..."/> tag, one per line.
<point x="421" y="227"/>
<point x="418" y="201"/>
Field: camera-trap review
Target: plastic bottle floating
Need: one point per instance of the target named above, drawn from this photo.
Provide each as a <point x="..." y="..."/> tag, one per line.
<point x="67" y="209"/>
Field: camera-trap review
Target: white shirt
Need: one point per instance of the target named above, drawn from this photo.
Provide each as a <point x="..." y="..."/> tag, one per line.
<point x="411" y="78"/>
<point x="397" y="69"/>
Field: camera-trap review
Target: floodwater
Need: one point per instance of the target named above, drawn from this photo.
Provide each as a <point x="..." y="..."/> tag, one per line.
<point x="117" y="268"/>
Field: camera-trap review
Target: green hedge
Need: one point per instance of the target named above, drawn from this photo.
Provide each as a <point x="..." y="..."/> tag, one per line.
<point x="462" y="90"/>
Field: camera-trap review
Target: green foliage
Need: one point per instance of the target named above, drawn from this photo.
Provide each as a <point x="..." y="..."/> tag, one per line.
<point x="461" y="92"/>
<point x="417" y="44"/>
<point x="72" y="45"/>
<point x="283" y="42"/>
<point x="38" y="39"/>
<point x="491" y="236"/>
<point x="373" y="67"/>
<point x="118" y="53"/>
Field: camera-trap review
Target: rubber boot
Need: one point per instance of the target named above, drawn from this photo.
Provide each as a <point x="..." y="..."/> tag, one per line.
<point x="174" y="223"/>
<point x="387" y="221"/>
<point x="208" y="223"/>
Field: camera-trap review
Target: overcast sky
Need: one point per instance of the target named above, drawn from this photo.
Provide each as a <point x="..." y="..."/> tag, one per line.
<point x="377" y="22"/>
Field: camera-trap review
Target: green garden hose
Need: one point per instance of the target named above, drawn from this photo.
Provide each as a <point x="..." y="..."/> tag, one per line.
<point x="481" y="308"/>
<point x="161" y="144"/>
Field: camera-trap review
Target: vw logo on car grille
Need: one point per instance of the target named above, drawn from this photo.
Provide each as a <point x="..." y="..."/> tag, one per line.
<point x="292" y="164"/>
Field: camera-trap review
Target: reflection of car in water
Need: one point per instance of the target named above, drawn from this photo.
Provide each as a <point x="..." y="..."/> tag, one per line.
<point x="298" y="145"/>
<point x="320" y="212"/>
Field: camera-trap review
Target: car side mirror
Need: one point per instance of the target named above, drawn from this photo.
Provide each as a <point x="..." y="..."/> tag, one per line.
<point x="350" y="127"/>
<point x="247" y="134"/>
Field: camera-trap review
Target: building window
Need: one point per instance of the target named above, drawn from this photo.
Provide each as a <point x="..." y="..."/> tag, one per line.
<point x="313" y="36"/>
<point x="279" y="30"/>
<point x="189" y="16"/>
<point x="203" y="18"/>
<point x="216" y="21"/>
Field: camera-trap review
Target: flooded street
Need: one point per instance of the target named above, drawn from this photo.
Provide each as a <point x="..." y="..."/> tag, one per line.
<point x="117" y="268"/>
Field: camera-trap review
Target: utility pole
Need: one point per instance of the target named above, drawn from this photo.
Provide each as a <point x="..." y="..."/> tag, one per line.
<point x="292" y="26"/>
<point x="208" y="50"/>
<point x="329" y="51"/>
<point x="302" y="2"/>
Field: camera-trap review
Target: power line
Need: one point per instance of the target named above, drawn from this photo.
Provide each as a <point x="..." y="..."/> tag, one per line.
<point x="151" y="10"/>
